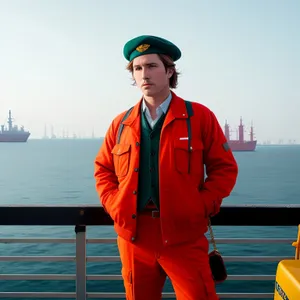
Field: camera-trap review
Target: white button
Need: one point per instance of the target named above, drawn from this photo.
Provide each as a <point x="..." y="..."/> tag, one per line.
<point x="133" y="238"/>
<point x="166" y="241"/>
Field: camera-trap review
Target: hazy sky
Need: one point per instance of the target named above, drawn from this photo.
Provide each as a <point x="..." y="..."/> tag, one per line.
<point x="61" y="61"/>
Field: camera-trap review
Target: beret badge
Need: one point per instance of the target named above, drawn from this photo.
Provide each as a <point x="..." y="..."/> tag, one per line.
<point x="142" y="48"/>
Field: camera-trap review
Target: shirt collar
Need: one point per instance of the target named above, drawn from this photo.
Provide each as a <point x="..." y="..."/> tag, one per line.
<point x="164" y="106"/>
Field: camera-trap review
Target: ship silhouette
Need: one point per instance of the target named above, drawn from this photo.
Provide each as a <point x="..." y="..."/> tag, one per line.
<point x="240" y="144"/>
<point x="12" y="133"/>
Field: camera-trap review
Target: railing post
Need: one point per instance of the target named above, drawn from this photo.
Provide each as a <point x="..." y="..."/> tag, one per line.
<point x="80" y="262"/>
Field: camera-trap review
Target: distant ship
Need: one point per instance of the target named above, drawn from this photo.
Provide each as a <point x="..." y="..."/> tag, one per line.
<point x="240" y="144"/>
<point x="13" y="133"/>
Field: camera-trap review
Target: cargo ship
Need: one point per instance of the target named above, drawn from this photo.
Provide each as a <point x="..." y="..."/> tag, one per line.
<point x="13" y="133"/>
<point x="240" y="144"/>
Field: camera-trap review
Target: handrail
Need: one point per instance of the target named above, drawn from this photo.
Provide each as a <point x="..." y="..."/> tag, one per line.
<point x="113" y="240"/>
<point x="117" y="258"/>
<point x="82" y="216"/>
<point x="91" y="215"/>
<point x="111" y="277"/>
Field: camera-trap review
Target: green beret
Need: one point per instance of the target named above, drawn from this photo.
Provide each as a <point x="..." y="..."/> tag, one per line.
<point x="148" y="44"/>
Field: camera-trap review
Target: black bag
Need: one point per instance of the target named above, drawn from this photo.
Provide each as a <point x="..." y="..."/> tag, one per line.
<point x="216" y="261"/>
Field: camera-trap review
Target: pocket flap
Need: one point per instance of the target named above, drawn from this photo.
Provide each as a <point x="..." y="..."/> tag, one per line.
<point x="120" y="149"/>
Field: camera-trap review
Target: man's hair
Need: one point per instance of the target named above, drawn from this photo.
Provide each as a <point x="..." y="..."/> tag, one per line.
<point x="168" y="63"/>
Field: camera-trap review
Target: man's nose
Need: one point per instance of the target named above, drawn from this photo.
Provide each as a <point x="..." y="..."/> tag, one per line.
<point x="145" y="73"/>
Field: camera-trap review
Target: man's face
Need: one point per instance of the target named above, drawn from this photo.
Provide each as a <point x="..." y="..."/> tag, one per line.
<point x="150" y="75"/>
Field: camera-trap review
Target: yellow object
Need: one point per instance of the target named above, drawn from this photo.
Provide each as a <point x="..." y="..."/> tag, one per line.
<point x="297" y="244"/>
<point x="287" y="284"/>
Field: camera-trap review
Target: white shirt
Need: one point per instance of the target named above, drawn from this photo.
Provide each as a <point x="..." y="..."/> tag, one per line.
<point x="162" y="109"/>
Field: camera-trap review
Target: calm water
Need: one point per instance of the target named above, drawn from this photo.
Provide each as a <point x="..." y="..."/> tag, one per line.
<point x="61" y="172"/>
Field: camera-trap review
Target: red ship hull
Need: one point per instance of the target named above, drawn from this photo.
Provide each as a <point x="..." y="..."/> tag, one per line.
<point x="236" y="145"/>
<point x="240" y="144"/>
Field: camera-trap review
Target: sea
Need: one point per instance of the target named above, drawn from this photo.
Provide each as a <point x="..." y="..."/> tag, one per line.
<point x="60" y="172"/>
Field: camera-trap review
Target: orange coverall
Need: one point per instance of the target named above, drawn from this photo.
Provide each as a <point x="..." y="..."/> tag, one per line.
<point x="174" y="243"/>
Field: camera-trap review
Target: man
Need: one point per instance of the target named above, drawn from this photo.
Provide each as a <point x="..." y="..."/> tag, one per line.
<point x="149" y="175"/>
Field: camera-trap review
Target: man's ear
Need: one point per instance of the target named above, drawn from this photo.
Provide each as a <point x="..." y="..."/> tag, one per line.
<point x="170" y="72"/>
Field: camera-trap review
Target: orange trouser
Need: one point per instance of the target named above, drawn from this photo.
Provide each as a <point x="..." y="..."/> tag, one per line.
<point x="147" y="262"/>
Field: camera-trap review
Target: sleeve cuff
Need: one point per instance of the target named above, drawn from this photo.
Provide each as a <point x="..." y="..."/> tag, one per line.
<point x="211" y="202"/>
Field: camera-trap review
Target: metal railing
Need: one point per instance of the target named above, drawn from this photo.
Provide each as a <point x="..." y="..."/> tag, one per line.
<point x="82" y="216"/>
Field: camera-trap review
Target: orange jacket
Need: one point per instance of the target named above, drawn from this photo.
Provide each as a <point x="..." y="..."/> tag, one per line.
<point x="186" y="199"/>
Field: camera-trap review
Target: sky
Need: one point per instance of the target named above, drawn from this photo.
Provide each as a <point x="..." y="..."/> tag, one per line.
<point x="62" y="64"/>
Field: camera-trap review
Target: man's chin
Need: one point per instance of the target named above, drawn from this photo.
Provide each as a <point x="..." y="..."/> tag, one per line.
<point x="148" y="92"/>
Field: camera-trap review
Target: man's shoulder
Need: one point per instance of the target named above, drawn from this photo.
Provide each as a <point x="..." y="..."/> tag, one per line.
<point x="120" y="116"/>
<point x="199" y="108"/>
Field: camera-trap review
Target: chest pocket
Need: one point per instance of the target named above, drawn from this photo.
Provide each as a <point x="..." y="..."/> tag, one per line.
<point x="121" y="153"/>
<point x="189" y="157"/>
<point x="189" y="153"/>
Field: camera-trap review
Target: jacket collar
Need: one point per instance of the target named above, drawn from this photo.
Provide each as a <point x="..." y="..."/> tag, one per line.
<point x="177" y="110"/>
